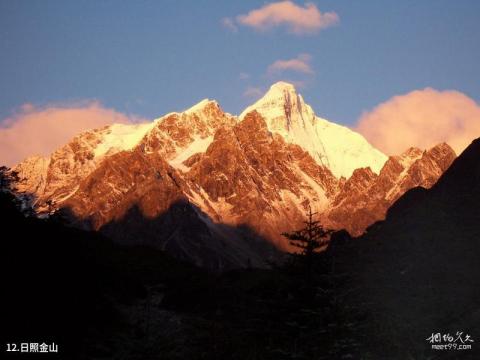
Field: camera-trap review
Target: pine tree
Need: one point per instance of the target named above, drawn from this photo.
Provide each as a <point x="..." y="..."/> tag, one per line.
<point x="310" y="239"/>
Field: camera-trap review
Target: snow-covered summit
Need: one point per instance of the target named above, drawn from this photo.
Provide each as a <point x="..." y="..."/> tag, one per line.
<point x="281" y="105"/>
<point x="337" y="147"/>
<point x="200" y="106"/>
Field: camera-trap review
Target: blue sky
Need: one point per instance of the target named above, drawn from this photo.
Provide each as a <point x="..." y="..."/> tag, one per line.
<point x="152" y="57"/>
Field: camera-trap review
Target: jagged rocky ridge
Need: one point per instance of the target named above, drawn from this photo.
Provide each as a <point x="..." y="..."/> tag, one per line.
<point x="365" y="197"/>
<point x="210" y="187"/>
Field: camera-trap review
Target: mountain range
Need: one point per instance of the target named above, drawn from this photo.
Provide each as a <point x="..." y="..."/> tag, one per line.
<point x="217" y="189"/>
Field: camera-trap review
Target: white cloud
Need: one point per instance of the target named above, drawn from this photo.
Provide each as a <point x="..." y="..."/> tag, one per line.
<point x="422" y="118"/>
<point x="297" y="19"/>
<point x="299" y="64"/>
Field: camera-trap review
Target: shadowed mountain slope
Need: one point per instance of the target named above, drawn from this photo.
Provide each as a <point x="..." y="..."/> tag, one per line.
<point x="418" y="272"/>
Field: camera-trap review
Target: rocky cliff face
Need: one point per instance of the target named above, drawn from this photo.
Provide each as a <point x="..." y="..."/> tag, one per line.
<point x="365" y="197"/>
<point x="251" y="176"/>
<point x="243" y="186"/>
<point x="138" y="198"/>
<point x="214" y="189"/>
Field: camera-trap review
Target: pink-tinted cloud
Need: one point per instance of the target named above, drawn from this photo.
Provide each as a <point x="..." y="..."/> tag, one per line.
<point x="297" y="19"/>
<point x="299" y="64"/>
<point x="39" y="131"/>
<point x="422" y="118"/>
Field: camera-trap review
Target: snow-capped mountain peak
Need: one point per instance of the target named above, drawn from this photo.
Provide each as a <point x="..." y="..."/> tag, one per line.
<point x="200" y="106"/>
<point x="282" y="106"/>
<point x="283" y="86"/>
<point x="337" y="147"/>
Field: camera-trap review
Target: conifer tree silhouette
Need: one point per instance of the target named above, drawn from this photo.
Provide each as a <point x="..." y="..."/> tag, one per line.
<point x="310" y="239"/>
